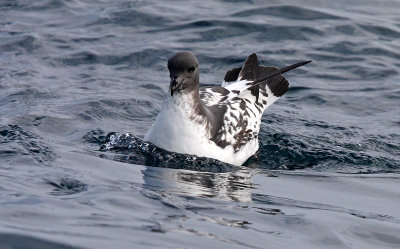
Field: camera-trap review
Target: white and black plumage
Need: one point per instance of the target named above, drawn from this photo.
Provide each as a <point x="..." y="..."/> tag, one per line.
<point x="216" y="122"/>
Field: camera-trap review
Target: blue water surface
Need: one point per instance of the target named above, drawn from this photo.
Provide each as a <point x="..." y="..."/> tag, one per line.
<point x="76" y="76"/>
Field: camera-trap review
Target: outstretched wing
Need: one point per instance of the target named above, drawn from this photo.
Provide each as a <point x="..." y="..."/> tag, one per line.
<point x="237" y="118"/>
<point x="244" y="95"/>
<point x="241" y="79"/>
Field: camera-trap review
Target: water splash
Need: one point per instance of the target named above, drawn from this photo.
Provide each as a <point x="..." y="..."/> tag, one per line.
<point x="126" y="147"/>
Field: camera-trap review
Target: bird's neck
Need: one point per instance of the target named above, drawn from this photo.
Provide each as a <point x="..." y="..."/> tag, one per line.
<point x="189" y="106"/>
<point x="188" y="102"/>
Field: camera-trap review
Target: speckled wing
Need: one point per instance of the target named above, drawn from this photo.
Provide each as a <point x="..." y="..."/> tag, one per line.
<point x="242" y="102"/>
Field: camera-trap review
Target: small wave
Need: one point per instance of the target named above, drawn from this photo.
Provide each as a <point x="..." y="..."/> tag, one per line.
<point x="31" y="93"/>
<point x="133" y="17"/>
<point x="346" y="29"/>
<point x="341" y="47"/>
<point x="323" y="56"/>
<point x="66" y="186"/>
<point x="131" y="149"/>
<point x="381" y="31"/>
<point x="288" y="12"/>
<point x="8" y="240"/>
<point x="14" y="140"/>
<point x="210" y="30"/>
<point x="352" y="49"/>
<point x="145" y="58"/>
<point x="33" y="6"/>
<point x="279" y="201"/>
<point x="299" y="89"/>
<point x="122" y="109"/>
<point x="27" y="43"/>
<point x="277" y="151"/>
<point x="288" y="151"/>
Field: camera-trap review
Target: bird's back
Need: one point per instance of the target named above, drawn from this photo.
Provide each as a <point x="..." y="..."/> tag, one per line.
<point x="244" y="103"/>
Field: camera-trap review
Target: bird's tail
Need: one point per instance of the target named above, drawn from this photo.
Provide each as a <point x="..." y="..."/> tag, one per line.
<point x="260" y="77"/>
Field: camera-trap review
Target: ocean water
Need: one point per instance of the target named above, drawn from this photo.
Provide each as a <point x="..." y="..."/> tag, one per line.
<point x="77" y="75"/>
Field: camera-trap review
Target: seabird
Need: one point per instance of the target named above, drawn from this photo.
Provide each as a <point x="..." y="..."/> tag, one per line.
<point x="220" y="122"/>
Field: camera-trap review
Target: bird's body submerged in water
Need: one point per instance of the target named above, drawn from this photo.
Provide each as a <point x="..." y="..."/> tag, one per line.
<point x="216" y="122"/>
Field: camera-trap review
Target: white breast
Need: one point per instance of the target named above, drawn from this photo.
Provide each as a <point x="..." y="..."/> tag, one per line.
<point x="175" y="130"/>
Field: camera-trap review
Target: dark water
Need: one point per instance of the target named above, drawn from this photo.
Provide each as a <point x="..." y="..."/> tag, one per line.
<point x="72" y="71"/>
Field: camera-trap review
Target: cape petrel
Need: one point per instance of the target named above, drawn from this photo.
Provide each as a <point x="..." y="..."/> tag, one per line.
<point x="220" y="122"/>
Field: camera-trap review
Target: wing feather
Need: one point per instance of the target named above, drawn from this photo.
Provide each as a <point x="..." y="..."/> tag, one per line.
<point x="244" y="102"/>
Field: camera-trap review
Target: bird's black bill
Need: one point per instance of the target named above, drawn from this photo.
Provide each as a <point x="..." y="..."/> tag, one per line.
<point x="280" y="71"/>
<point x="173" y="85"/>
<point x="172" y="88"/>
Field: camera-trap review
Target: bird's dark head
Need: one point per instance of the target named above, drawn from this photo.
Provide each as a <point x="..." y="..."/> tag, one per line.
<point x="184" y="72"/>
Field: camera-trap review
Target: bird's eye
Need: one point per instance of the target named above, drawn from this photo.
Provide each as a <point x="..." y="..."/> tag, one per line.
<point x="190" y="70"/>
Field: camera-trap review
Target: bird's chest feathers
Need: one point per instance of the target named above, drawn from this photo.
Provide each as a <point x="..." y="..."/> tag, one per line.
<point x="184" y="119"/>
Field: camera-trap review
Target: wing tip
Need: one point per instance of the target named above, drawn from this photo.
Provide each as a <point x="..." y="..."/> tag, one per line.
<point x="232" y="75"/>
<point x="278" y="86"/>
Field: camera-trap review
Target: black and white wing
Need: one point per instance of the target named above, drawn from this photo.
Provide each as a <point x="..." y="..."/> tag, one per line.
<point x="243" y="104"/>
<point x="243" y="97"/>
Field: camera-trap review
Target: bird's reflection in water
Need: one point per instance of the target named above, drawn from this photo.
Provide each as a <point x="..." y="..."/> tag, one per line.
<point x="233" y="186"/>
